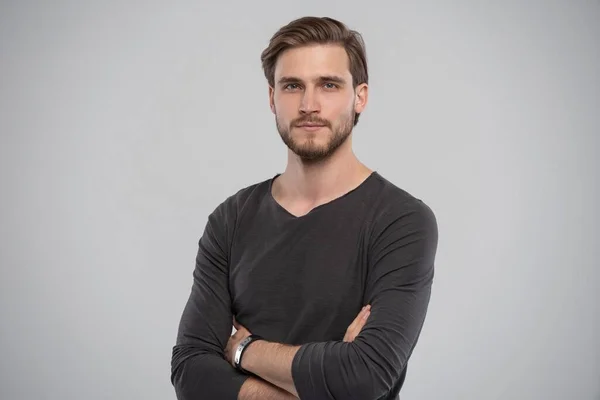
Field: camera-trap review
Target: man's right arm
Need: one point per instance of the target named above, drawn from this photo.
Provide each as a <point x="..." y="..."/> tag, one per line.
<point x="199" y="369"/>
<point x="258" y="389"/>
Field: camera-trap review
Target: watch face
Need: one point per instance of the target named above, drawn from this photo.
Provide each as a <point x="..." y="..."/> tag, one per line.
<point x="245" y="340"/>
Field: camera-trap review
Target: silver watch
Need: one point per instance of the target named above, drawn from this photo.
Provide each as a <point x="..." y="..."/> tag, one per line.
<point x="237" y="358"/>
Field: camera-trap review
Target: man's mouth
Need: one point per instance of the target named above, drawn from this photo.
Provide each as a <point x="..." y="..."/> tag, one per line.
<point x="310" y="127"/>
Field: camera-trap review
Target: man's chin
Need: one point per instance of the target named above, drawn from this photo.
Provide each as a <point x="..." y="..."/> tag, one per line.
<point x="311" y="153"/>
<point x="312" y="147"/>
<point x="312" y="157"/>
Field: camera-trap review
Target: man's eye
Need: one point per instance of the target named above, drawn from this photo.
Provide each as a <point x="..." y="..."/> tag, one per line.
<point x="331" y="85"/>
<point x="291" y="86"/>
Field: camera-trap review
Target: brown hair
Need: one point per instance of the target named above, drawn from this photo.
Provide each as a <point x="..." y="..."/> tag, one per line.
<point x="317" y="30"/>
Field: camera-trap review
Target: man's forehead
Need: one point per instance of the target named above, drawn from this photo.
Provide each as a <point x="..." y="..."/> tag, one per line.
<point x="313" y="62"/>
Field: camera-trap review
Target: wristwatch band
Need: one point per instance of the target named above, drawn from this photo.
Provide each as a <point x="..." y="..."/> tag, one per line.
<point x="239" y="352"/>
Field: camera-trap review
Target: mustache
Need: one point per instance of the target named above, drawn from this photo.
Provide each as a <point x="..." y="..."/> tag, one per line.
<point x="310" y="120"/>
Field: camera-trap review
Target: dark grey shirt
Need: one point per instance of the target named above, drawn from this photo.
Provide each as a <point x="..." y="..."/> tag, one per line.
<point x="301" y="281"/>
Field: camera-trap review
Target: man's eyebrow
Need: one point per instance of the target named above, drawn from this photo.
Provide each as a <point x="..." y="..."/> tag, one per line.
<point x="288" y="79"/>
<point x="326" y="78"/>
<point x="333" y="79"/>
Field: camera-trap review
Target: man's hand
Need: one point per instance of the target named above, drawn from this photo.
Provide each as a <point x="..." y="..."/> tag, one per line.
<point x="273" y="361"/>
<point x="235" y="339"/>
<point x="358" y="323"/>
<point x="242" y="333"/>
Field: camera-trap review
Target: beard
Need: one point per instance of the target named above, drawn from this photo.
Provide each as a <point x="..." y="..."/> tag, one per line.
<point x="307" y="148"/>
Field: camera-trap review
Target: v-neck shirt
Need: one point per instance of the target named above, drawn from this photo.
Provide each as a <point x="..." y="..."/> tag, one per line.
<point x="302" y="281"/>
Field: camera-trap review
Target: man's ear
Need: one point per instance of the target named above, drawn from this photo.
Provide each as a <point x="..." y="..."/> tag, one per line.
<point x="272" y="99"/>
<point x="362" y="96"/>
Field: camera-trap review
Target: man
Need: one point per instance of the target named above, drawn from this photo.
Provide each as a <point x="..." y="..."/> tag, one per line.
<point x="293" y="260"/>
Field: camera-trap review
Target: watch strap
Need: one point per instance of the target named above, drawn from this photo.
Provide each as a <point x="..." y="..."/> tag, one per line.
<point x="241" y="348"/>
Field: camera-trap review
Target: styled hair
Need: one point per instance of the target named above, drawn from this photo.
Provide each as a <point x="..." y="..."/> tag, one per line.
<point x="317" y="30"/>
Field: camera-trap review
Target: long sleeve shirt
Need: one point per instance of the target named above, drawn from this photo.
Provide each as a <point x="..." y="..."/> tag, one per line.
<point x="301" y="281"/>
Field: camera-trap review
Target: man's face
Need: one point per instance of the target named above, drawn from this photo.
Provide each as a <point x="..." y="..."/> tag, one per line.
<point x="314" y="101"/>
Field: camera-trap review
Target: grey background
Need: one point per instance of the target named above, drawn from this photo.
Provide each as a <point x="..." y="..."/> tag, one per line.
<point x="124" y="124"/>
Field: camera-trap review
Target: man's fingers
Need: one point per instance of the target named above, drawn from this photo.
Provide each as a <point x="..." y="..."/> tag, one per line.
<point x="358" y="323"/>
<point x="358" y="318"/>
<point x="361" y="319"/>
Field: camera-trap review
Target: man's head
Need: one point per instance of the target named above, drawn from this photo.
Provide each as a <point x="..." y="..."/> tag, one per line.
<point x="317" y="74"/>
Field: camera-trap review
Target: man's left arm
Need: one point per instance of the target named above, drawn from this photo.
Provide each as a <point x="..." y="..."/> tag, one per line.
<point x="272" y="362"/>
<point x="398" y="289"/>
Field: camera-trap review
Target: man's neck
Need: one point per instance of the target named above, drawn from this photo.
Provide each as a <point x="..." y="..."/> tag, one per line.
<point x="310" y="184"/>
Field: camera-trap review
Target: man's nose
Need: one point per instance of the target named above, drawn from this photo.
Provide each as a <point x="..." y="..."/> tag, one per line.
<point x="310" y="103"/>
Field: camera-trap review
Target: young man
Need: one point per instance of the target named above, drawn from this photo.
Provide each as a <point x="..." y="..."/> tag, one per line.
<point x="293" y="260"/>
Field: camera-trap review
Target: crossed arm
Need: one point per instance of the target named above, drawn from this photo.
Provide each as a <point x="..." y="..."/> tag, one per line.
<point x="398" y="289"/>
<point x="273" y="362"/>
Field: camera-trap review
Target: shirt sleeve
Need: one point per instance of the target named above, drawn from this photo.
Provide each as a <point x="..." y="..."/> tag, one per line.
<point x="199" y="369"/>
<point x="401" y="269"/>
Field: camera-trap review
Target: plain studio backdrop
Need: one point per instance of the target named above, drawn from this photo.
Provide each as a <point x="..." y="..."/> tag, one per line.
<point x="123" y="125"/>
